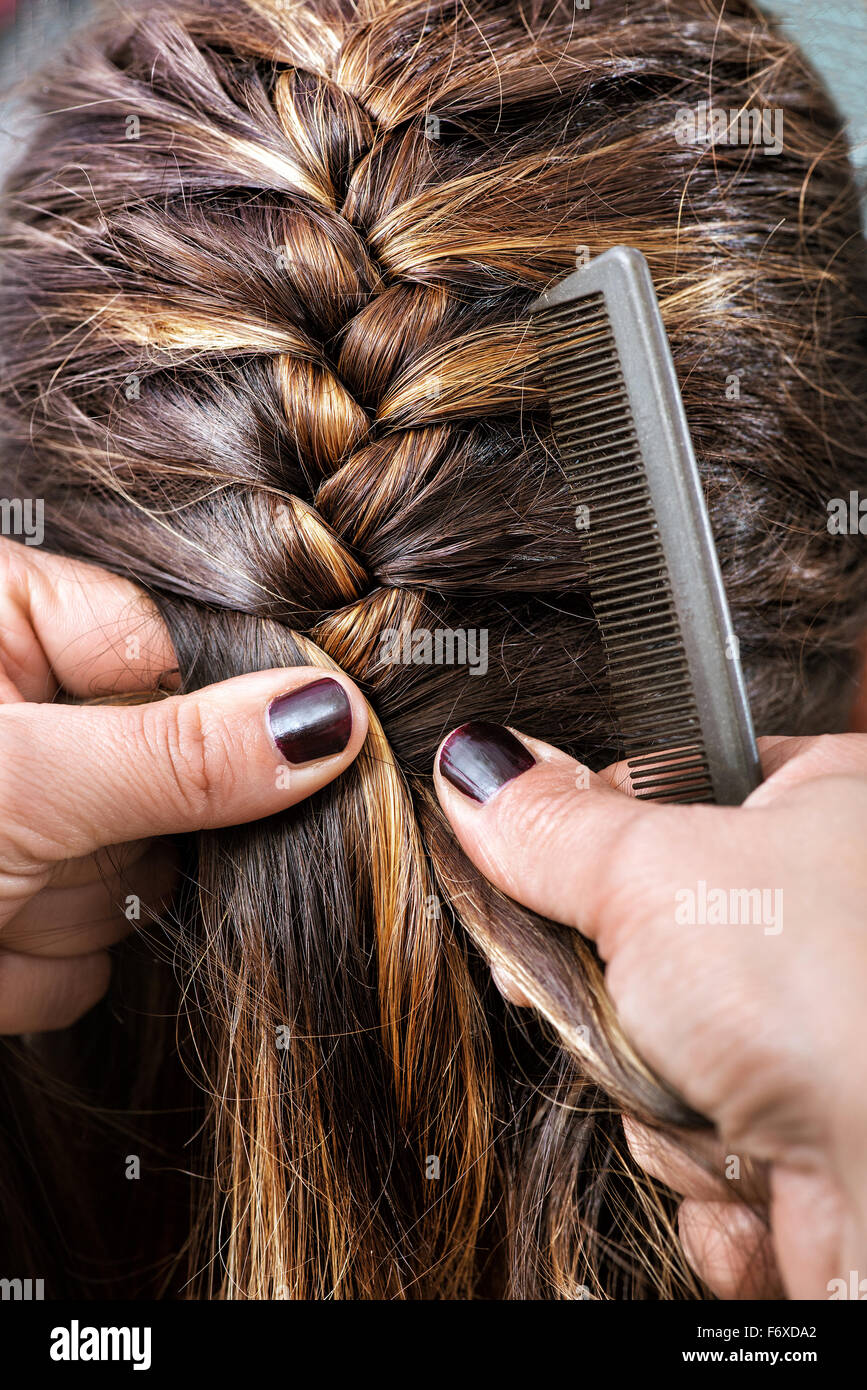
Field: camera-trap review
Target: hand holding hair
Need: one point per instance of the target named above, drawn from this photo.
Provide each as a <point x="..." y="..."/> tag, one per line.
<point x="757" y="1023"/>
<point x="77" y="778"/>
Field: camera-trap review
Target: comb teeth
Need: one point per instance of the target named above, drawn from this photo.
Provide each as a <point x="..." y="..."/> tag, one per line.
<point x="601" y="458"/>
<point x="655" y="582"/>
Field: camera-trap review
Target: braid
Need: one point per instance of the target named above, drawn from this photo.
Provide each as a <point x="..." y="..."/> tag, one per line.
<point x="266" y="276"/>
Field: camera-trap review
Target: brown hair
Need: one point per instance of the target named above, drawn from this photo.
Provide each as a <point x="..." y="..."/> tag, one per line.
<point x="265" y="276"/>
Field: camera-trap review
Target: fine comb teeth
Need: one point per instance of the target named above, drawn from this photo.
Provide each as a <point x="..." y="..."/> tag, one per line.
<point x="621" y="432"/>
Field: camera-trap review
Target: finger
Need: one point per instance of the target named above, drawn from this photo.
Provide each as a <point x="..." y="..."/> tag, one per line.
<point x="698" y="1166"/>
<point x="91" y="916"/>
<point x="64" y="622"/>
<point x="75" y="778"/>
<point x="664" y="1160"/>
<point x="814" y="1231"/>
<point x="730" y="1249"/>
<point x="38" y="995"/>
<point x="790" y="762"/>
<point x="570" y="845"/>
<point x="509" y="986"/>
<point x="539" y="825"/>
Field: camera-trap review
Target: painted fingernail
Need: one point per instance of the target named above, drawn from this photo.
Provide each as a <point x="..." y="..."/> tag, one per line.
<point x="479" y="758"/>
<point x="313" y="722"/>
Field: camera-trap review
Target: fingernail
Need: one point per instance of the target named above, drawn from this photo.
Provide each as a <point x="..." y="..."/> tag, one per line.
<point x="479" y="758"/>
<point x="313" y="722"/>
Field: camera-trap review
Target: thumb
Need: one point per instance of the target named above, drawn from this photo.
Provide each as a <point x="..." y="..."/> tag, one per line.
<point x="539" y="825"/>
<point x="76" y="777"/>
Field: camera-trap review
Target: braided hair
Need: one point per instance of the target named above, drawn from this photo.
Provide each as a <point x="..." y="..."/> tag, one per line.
<point x="266" y="267"/>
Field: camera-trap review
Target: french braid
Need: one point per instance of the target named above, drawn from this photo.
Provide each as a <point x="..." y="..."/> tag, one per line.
<point x="266" y="273"/>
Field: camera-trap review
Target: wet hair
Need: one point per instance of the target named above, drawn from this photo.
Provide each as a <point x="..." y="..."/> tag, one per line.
<point x="265" y="273"/>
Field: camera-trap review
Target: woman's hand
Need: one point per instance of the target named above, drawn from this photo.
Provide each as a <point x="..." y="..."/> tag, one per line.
<point x="759" y="1023"/>
<point x="77" y="778"/>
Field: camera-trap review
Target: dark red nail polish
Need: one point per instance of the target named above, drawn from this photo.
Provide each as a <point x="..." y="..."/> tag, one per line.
<point x="479" y="758"/>
<point x="313" y="722"/>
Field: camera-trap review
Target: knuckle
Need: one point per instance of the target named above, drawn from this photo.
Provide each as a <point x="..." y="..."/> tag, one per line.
<point x="625" y="885"/>
<point x="24" y="847"/>
<point x="189" y="745"/>
<point x="13" y="565"/>
<point x="537" y="822"/>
